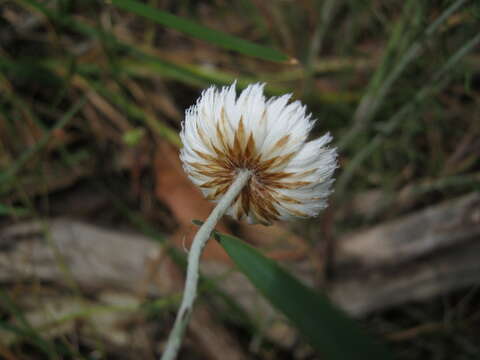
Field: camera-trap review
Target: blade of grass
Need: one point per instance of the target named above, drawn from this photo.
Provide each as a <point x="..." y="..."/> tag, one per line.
<point x="135" y="111"/>
<point x="189" y="74"/>
<point x="376" y="94"/>
<point x="52" y="350"/>
<point x="326" y="11"/>
<point x="439" y="81"/>
<point x="13" y="211"/>
<point x="328" y="329"/>
<point x="28" y="154"/>
<point x="28" y="70"/>
<point x="30" y="337"/>
<point x="195" y="30"/>
<point x="92" y="310"/>
<point x="24" y="330"/>
<point x="201" y="77"/>
<point x="68" y="21"/>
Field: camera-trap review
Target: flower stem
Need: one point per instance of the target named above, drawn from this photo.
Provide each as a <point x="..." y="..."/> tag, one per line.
<point x="201" y="238"/>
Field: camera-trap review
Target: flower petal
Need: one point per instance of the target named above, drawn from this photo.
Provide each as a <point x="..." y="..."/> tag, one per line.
<point x="223" y="134"/>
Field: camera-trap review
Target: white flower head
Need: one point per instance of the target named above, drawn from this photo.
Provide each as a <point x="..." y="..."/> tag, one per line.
<point x="223" y="134"/>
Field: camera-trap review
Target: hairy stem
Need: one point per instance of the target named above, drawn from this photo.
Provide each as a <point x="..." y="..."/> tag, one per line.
<point x="201" y="238"/>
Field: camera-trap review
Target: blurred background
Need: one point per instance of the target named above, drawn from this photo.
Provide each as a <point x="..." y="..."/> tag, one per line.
<point x="96" y="211"/>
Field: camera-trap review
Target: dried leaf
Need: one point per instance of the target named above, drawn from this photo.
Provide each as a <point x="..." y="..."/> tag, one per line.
<point x="185" y="201"/>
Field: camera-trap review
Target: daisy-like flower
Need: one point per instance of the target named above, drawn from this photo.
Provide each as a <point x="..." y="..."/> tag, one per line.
<point x="252" y="157"/>
<point x="289" y="175"/>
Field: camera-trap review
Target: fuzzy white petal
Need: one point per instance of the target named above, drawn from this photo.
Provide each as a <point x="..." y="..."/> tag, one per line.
<point x="222" y="134"/>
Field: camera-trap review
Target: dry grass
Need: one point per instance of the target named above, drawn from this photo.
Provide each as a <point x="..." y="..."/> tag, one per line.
<point x="89" y="93"/>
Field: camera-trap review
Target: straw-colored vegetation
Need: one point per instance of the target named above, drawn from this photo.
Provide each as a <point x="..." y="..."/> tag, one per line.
<point x="95" y="209"/>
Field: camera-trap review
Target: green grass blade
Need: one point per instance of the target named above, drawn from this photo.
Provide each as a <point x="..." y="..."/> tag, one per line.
<point x="27" y="155"/>
<point x="6" y="210"/>
<point x="29" y="337"/>
<point x="137" y="112"/>
<point x="193" y="29"/>
<point x="439" y="80"/>
<point x="24" y="329"/>
<point x="384" y="80"/>
<point x="328" y="329"/>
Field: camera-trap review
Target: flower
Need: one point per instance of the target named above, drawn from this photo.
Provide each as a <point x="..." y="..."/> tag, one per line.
<point x="223" y="134"/>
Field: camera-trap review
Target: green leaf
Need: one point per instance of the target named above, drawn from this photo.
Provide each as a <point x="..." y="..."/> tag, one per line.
<point x="193" y="29"/>
<point x="327" y="328"/>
